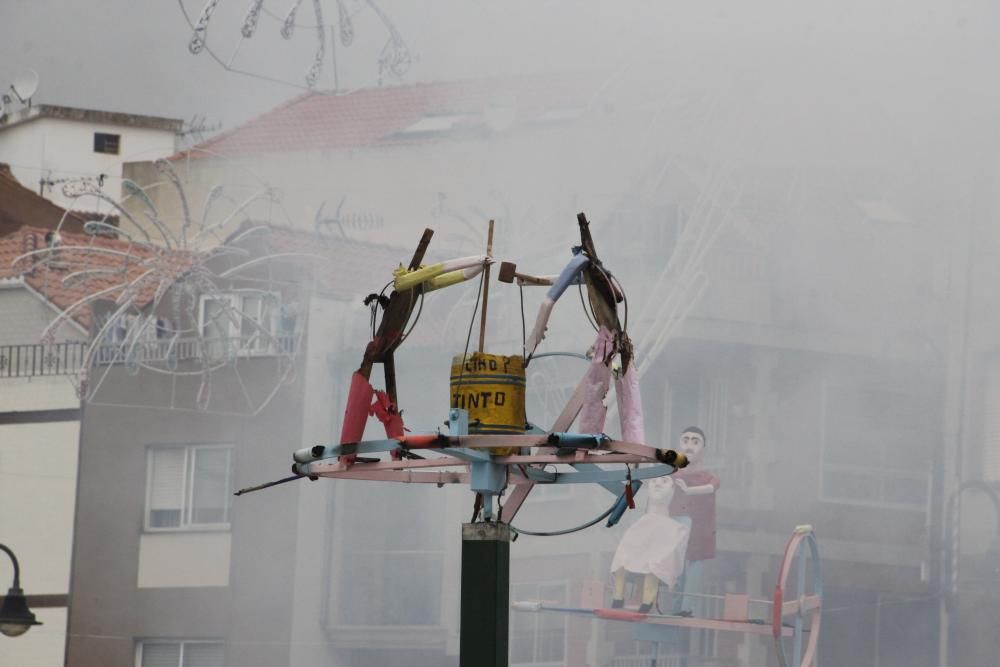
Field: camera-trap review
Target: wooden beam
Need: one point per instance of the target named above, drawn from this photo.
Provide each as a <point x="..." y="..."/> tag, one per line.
<point x="40" y="416"/>
<point x="51" y="601"/>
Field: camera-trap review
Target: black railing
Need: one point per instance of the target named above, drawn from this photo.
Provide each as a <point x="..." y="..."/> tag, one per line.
<point x="38" y="359"/>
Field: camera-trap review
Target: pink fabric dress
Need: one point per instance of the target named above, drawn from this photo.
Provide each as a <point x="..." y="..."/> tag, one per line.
<point x="656" y="543"/>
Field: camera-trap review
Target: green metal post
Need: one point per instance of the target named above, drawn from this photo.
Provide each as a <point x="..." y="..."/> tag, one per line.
<point x="485" y="595"/>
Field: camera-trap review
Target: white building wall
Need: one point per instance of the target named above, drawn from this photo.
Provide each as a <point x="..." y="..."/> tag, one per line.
<point x="54" y="148"/>
<point x="24" y="316"/>
<point x="38" y="465"/>
<point x="37" y="480"/>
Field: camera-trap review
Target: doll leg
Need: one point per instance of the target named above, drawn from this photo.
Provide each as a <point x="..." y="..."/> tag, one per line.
<point x="618" y="600"/>
<point x="650" y="587"/>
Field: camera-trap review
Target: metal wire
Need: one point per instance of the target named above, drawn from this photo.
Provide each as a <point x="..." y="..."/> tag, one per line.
<point x="472" y="323"/>
<point x="567" y="531"/>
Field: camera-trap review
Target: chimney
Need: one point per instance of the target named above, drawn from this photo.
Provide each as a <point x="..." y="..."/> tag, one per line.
<point x="30" y="244"/>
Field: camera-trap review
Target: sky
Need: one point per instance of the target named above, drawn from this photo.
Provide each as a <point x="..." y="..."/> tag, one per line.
<point x="79" y="48"/>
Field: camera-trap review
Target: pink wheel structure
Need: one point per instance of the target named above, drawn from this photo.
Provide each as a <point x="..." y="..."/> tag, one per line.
<point x="798" y="601"/>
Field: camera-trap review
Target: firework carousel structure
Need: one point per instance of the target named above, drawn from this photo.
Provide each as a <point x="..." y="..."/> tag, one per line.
<point x="491" y="446"/>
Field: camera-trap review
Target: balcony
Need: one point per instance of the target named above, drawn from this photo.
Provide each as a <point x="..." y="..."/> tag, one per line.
<point x="69" y="358"/>
<point x="41" y="359"/>
<point x="169" y="352"/>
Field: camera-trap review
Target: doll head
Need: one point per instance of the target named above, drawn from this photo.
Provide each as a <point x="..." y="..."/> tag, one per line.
<point x="661" y="490"/>
<point x="692" y="444"/>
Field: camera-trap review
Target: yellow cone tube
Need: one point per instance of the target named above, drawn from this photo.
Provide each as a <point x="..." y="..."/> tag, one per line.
<point x="404" y="279"/>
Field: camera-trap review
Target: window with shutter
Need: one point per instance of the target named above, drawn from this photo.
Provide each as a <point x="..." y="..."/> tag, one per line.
<point x="180" y="653"/>
<point x="160" y="655"/>
<point x="210" y="486"/>
<point x="203" y="655"/>
<point x="166" y="494"/>
<point x="188" y="487"/>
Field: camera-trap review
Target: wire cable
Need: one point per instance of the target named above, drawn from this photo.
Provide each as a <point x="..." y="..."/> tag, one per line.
<point x="472" y="323"/>
<point x="524" y="333"/>
<point x="567" y="531"/>
<point x="587" y="310"/>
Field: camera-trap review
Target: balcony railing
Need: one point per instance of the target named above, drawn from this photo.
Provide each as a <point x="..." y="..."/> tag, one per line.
<point x="39" y="359"/>
<point x="168" y="352"/>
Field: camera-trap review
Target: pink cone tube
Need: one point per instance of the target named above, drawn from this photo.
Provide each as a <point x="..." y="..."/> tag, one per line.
<point x="598" y="377"/>
<point x="356" y="413"/>
<point x="630" y="406"/>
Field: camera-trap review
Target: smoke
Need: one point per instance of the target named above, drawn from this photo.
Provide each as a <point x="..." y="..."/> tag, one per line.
<point x="797" y="200"/>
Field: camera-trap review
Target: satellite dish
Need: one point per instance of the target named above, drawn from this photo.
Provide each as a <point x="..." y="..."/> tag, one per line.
<point x="25" y="85"/>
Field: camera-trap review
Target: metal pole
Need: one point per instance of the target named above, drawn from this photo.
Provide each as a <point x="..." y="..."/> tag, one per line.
<point x="485" y="616"/>
<point x="17" y="568"/>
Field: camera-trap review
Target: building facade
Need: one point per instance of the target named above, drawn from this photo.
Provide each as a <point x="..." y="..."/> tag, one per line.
<point x="51" y="146"/>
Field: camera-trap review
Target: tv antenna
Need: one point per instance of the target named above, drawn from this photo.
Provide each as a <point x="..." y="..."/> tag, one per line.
<point x="198" y="127"/>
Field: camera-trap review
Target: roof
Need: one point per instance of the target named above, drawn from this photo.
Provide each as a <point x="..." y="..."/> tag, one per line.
<point x="65" y="277"/>
<point x="38" y="111"/>
<point x="339" y="267"/>
<point x="22" y="206"/>
<point x="394" y="115"/>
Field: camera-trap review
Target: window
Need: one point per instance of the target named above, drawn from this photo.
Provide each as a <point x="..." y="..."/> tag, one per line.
<point x="247" y="323"/>
<point x="188" y="487"/>
<point x="876" y="447"/>
<point x="107" y="143"/>
<point x="179" y="653"/>
<point x="538" y="638"/>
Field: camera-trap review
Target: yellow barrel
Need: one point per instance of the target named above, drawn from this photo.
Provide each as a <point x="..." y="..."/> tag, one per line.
<point x="491" y="388"/>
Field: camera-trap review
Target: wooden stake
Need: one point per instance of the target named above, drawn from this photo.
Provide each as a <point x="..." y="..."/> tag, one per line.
<point x="486" y="289"/>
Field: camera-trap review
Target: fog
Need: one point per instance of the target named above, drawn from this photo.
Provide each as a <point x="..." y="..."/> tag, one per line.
<point x="799" y="200"/>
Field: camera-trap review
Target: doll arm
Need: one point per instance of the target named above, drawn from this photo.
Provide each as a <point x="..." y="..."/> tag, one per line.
<point x="699" y="490"/>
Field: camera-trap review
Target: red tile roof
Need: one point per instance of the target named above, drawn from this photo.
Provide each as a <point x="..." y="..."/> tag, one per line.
<point x="379" y="116"/>
<point x="79" y="268"/>
<point x="338" y="266"/>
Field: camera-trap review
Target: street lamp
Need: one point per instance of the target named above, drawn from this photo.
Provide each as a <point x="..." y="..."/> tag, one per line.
<point x="15" y="617"/>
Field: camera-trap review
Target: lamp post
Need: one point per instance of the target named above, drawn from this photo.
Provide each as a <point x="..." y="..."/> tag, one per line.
<point x="15" y="617"/>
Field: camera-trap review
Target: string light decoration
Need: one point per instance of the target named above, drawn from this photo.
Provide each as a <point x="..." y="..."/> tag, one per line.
<point x="198" y="299"/>
<point x="394" y="59"/>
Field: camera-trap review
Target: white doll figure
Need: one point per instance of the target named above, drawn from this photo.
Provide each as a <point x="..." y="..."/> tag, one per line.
<point x="653" y="546"/>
